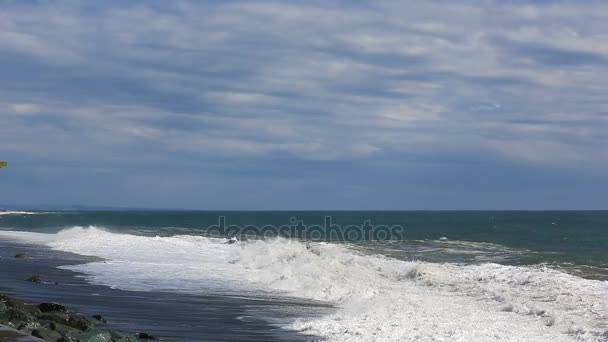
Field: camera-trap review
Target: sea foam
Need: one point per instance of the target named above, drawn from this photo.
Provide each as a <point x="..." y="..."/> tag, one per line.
<point x="18" y="213"/>
<point x="377" y="298"/>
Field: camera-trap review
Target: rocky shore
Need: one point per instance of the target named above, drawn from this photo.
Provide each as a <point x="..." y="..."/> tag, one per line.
<point x="54" y="322"/>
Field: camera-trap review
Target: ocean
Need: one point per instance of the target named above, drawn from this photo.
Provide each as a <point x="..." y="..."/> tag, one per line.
<point x="374" y="275"/>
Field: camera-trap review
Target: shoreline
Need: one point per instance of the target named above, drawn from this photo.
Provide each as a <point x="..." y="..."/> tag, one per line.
<point x="167" y="316"/>
<point x="50" y="321"/>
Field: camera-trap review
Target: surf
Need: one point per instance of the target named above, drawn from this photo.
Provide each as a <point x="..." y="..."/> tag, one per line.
<point x="8" y="212"/>
<point x="377" y="297"/>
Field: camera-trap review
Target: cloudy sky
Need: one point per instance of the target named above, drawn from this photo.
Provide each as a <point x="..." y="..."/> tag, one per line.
<point x="305" y="104"/>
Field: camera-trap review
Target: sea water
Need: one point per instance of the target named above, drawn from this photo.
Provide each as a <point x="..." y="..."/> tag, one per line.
<point x="442" y="276"/>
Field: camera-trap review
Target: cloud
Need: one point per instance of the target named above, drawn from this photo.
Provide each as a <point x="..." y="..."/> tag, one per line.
<point x="24" y="108"/>
<point x="235" y="83"/>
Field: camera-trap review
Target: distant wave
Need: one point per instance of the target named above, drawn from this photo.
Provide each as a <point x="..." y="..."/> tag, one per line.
<point x="18" y="213"/>
<point x="378" y="298"/>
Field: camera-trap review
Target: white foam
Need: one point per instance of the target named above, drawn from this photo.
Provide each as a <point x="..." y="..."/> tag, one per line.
<point x="18" y="213"/>
<point x="379" y="299"/>
<point x="487" y="302"/>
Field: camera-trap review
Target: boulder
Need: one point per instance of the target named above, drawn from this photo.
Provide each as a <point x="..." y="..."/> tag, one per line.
<point x="56" y="317"/>
<point x="47" y="334"/>
<point x="28" y="327"/>
<point x="118" y="337"/>
<point x="145" y="336"/>
<point x="68" y="339"/>
<point x="96" y="336"/>
<point x="34" y="279"/>
<point x="64" y="330"/>
<point x="15" y="317"/>
<point x="3" y="307"/>
<point x="80" y="322"/>
<point x="100" y="318"/>
<point x="50" y="307"/>
<point x="13" y="303"/>
<point x="54" y="322"/>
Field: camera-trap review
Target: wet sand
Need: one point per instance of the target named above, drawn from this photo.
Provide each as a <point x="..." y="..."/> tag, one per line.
<point x="169" y="316"/>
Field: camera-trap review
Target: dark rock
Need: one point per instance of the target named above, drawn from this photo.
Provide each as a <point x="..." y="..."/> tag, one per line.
<point x="63" y="330"/>
<point x="28" y="327"/>
<point x="118" y="337"/>
<point x="67" y="339"/>
<point x="50" y="307"/>
<point x="54" y="322"/>
<point x="21" y="256"/>
<point x="126" y="339"/>
<point x="80" y="322"/>
<point x="96" y="336"/>
<point x="55" y="317"/>
<point x="14" y="310"/>
<point x="47" y="334"/>
<point x="16" y="316"/>
<point x="100" y="318"/>
<point x="144" y="336"/>
<point x="35" y="279"/>
<point x="5" y="299"/>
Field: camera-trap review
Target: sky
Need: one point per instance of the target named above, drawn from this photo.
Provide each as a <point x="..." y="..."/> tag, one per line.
<point x="278" y="105"/>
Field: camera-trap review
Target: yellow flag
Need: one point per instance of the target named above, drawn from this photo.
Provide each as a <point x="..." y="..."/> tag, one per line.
<point x="3" y="163"/>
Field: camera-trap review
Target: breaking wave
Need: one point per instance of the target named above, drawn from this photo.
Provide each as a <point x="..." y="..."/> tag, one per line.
<point x="18" y="213"/>
<point x="378" y="297"/>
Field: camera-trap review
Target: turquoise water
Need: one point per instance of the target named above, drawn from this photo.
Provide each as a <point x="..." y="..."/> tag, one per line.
<point x="576" y="240"/>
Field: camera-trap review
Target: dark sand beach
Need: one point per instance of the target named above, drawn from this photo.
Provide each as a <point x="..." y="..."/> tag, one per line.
<point x="167" y="316"/>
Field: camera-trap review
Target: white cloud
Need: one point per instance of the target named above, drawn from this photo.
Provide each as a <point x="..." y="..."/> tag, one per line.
<point x="230" y="97"/>
<point x="24" y="108"/>
<point x="307" y="80"/>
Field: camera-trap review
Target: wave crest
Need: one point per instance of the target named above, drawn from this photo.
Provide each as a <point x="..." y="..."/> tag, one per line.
<point x="18" y="213"/>
<point x="379" y="298"/>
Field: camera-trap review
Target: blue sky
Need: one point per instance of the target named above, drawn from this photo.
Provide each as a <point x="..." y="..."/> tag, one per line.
<point x="305" y="104"/>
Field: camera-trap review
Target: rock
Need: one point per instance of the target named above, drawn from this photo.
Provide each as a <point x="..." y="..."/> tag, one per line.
<point x="144" y="336"/>
<point x="21" y="256"/>
<point x="67" y="339"/>
<point x="47" y="334"/>
<point x="100" y="318"/>
<point x="17" y="312"/>
<point x="16" y="316"/>
<point x="28" y="327"/>
<point x="70" y="334"/>
<point x="64" y="330"/>
<point x="50" y="307"/>
<point x="54" y="322"/>
<point x="96" y="336"/>
<point x="118" y="337"/>
<point x="80" y="322"/>
<point x="35" y="279"/>
<point x="55" y="317"/>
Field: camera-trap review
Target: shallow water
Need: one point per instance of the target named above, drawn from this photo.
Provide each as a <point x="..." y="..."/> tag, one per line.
<point x="171" y="316"/>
